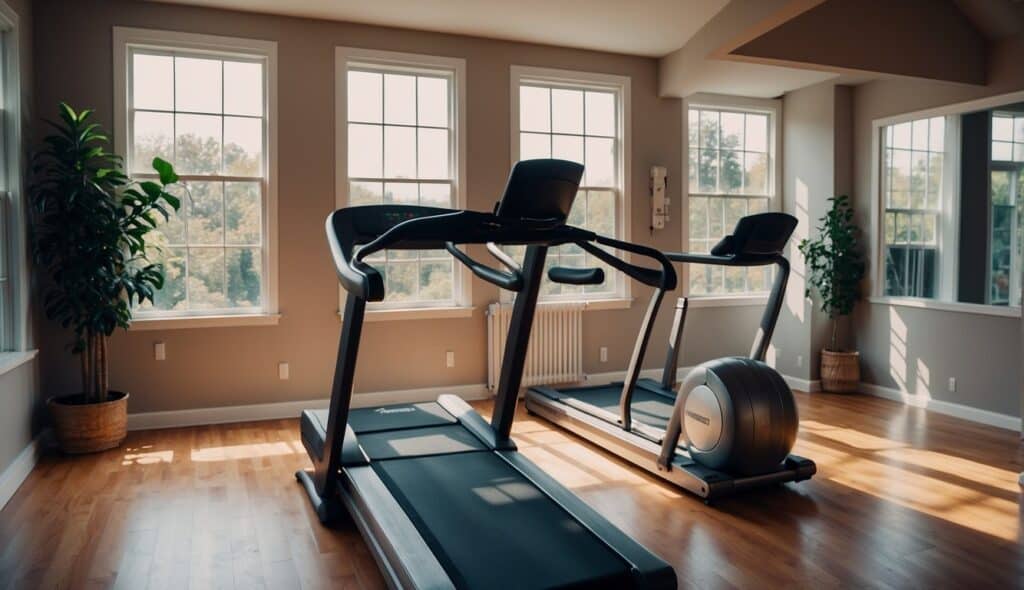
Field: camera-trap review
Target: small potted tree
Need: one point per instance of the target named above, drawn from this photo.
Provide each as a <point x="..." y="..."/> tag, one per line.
<point x="90" y="226"/>
<point x="835" y="268"/>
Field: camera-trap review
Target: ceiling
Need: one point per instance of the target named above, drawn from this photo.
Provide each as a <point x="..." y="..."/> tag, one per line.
<point x="638" y="27"/>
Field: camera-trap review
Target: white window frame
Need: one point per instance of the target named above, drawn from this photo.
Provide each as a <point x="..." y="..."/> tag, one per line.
<point x="621" y="298"/>
<point x="126" y="38"/>
<point x="14" y="233"/>
<point x="721" y="102"/>
<point x="948" y="269"/>
<point x="407" y="62"/>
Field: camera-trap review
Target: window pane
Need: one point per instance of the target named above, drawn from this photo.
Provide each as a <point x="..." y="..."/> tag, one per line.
<point x="365" y="193"/>
<point x="402" y="281"/>
<point x="432" y="150"/>
<point x="731" y="180"/>
<point x="1018" y="129"/>
<point x="698" y="218"/>
<point x="757" y="133"/>
<point x="198" y="144"/>
<point x="152" y="137"/>
<point x="206" y="278"/>
<point x="399" y="99"/>
<point x="936" y="135"/>
<point x="152" y="82"/>
<point x="399" y="152"/>
<point x="600" y="164"/>
<point x="432" y="97"/>
<point x="1002" y="151"/>
<point x="600" y="110"/>
<point x="918" y="171"/>
<point x="534" y="109"/>
<point x="735" y="209"/>
<point x="692" y="127"/>
<point x="534" y="145"/>
<point x="243" y="88"/>
<point x="365" y="151"/>
<point x="435" y="281"/>
<point x="567" y="147"/>
<point x="692" y="166"/>
<point x="172" y="230"/>
<point x="1000" y="187"/>
<point x="206" y="213"/>
<point x="244" y="268"/>
<point x="901" y="136"/>
<point x="732" y="130"/>
<point x="755" y="173"/>
<point x="435" y="195"/>
<point x="365" y="97"/>
<point x="707" y="171"/>
<point x="243" y="209"/>
<point x="1002" y="128"/>
<point x="900" y="171"/>
<point x="197" y="85"/>
<point x="601" y="212"/>
<point x="566" y="111"/>
<point x="172" y="295"/>
<point x="403" y="193"/>
<point x="709" y="129"/>
<point x="243" y="146"/>
<point x="919" y="129"/>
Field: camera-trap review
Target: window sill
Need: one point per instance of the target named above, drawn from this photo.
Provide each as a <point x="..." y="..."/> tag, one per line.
<point x="418" y="313"/>
<point x="601" y="304"/>
<point x="974" y="308"/>
<point x="726" y="300"/>
<point x="212" y="321"/>
<point x="12" y="360"/>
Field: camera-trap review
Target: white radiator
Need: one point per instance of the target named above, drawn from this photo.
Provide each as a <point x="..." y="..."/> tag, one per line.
<point x="555" y="354"/>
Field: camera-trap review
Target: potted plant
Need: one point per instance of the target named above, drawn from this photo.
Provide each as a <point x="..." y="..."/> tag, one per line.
<point x="90" y="226"/>
<point x="835" y="268"/>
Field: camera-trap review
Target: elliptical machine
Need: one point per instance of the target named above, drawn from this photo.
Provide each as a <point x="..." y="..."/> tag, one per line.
<point x="733" y="422"/>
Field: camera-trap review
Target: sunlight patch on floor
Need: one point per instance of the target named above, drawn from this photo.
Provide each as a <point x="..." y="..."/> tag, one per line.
<point x="247" y="451"/>
<point x="849" y="436"/>
<point x="144" y="456"/>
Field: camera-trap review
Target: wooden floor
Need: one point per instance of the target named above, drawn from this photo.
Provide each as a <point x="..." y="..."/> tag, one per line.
<point x="903" y="499"/>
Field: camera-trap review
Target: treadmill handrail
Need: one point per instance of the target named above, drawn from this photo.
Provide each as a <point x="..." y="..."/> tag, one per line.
<point x="513" y="281"/>
<point x="436" y="228"/>
<point x="665" y="278"/>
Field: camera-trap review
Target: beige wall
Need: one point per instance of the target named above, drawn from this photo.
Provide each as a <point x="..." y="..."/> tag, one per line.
<point x="229" y="366"/>
<point x="19" y="391"/>
<point x="919" y="350"/>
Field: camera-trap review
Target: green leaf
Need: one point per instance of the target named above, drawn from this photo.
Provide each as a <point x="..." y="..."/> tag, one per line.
<point x="165" y="170"/>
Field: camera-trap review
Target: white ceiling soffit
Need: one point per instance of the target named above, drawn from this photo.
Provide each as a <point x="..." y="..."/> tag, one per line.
<point x="639" y="27"/>
<point x="753" y="80"/>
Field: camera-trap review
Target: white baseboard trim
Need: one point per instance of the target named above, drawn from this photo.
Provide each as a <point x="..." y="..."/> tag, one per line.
<point x="19" y="469"/>
<point x="277" y="410"/>
<point x="808" y="385"/>
<point x="949" y="408"/>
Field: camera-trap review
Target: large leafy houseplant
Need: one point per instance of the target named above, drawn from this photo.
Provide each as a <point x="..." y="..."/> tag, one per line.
<point x="834" y="263"/>
<point x="90" y="227"/>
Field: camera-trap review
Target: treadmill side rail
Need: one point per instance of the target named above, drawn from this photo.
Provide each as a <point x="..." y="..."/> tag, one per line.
<point x="474" y="422"/>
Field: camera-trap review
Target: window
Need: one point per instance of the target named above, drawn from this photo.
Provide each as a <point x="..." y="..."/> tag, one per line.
<point x="912" y="193"/>
<point x="578" y="117"/>
<point x="204" y="104"/>
<point x="731" y="168"/>
<point x="13" y="271"/>
<point x="949" y="206"/>
<point x="399" y="142"/>
<point x="1006" y="249"/>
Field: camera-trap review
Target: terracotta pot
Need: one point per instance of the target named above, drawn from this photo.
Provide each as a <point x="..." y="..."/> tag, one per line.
<point x="89" y="427"/>
<point x="840" y="371"/>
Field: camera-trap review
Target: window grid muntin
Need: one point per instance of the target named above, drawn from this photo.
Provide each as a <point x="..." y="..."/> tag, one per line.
<point x="704" y="244"/>
<point x="557" y="254"/>
<point x="917" y="253"/>
<point x="186" y="203"/>
<point x="387" y="258"/>
<point x="1015" y="143"/>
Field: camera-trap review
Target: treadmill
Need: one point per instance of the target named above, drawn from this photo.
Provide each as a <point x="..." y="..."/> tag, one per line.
<point x="441" y="496"/>
<point x="630" y="417"/>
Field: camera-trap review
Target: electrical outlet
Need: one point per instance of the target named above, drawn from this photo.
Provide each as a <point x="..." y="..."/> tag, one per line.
<point x="160" y="351"/>
<point x="952" y="384"/>
<point x="282" y="371"/>
<point x="604" y="354"/>
<point x="449" y="359"/>
<point x="799" y="360"/>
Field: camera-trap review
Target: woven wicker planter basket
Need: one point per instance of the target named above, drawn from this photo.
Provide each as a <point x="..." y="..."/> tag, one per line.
<point x="840" y="371"/>
<point x="89" y="428"/>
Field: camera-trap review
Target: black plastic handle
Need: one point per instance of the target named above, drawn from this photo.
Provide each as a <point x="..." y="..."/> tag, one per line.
<point x="576" y="276"/>
<point x="664" y="279"/>
<point x="505" y="280"/>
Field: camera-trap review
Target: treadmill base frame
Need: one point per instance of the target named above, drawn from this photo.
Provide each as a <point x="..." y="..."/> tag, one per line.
<point x="636" y="448"/>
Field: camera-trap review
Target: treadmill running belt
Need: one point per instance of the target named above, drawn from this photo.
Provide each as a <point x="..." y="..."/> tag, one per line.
<point x="649" y="408"/>
<point x="491" y="528"/>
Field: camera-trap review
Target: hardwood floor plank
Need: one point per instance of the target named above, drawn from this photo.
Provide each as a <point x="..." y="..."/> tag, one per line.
<point x="903" y="498"/>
